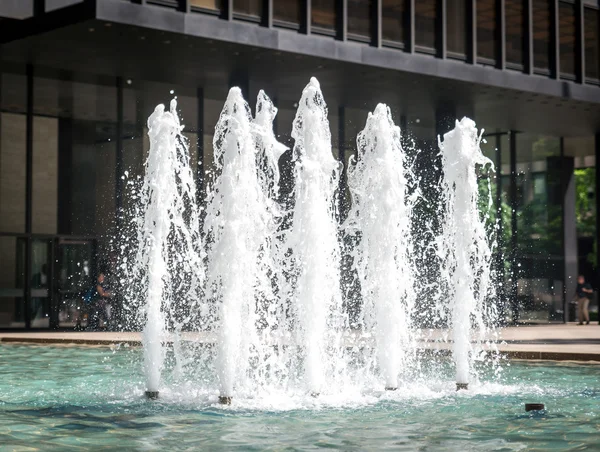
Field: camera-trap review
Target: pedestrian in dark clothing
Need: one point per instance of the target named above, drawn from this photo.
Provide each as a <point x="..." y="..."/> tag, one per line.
<point x="583" y="292"/>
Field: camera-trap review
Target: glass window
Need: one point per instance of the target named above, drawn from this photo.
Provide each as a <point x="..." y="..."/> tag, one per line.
<point x="540" y="259"/>
<point x="568" y="38"/>
<point x="12" y="277"/>
<point x="252" y="8"/>
<point x="515" y="31"/>
<point x="289" y="11"/>
<point x="456" y="28"/>
<point x="214" y="5"/>
<point x="425" y="23"/>
<point x="592" y="43"/>
<point x="323" y="14"/>
<point x="541" y="34"/>
<point x="487" y="27"/>
<point x="395" y="15"/>
<point x="359" y="17"/>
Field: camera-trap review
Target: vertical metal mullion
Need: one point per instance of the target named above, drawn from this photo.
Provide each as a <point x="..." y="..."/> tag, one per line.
<point x="267" y="19"/>
<point x="200" y="163"/>
<point x="500" y="224"/>
<point x="377" y="21"/>
<point x="555" y="44"/>
<point x="501" y="6"/>
<point x="513" y="218"/>
<point x="529" y="38"/>
<point x="442" y="35"/>
<point x="473" y="32"/>
<point x="563" y="184"/>
<point x="28" y="196"/>
<point x="342" y="19"/>
<point x="580" y="45"/>
<point x="411" y="31"/>
<point x="307" y="16"/>
<point x="227" y="12"/>
<point x="119" y="154"/>
<point x="52" y="286"/>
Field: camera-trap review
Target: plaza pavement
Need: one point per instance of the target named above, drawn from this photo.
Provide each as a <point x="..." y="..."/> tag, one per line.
<point x="551" y="342"/>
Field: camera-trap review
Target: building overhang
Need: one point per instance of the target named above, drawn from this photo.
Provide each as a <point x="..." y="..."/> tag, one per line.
<point x="120" y="38"/>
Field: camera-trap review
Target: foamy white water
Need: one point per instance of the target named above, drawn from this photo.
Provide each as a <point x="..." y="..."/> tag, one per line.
<point x="168" y="260"/>
<point x="271" y="300"/>
<point x="463" y="244"/>
<point x="381" y="218"/>
<point x="315" y="257"/>
<point x="239" y="226"/>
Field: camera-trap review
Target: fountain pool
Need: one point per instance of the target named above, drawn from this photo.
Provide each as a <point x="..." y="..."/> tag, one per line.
<point x="76" y="398"/>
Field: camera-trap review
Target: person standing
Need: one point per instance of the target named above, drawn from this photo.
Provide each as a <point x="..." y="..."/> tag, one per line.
<point x="98" y="306"/>
<point x="583" y="292"/>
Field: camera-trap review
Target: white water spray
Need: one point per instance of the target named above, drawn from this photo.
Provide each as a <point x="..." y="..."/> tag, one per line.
<point x="239" y="223"/>
<point x="463" y="245"/>
<point x="381" y="217"/>
<point x="168" y="262"/>
<point x="313" y="241"/>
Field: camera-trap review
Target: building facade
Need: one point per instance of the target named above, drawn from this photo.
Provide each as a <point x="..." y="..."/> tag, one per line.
<point x="79" y="78"/>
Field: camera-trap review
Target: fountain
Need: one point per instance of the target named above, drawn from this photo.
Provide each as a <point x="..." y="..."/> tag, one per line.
<point x="167" y="269"/>
<point x="313" y="240"/>
<point x="463" y="245"/>
<point x="239" y="224"/>
<point x="269" y="291"/>
<point x="381" y="217"/>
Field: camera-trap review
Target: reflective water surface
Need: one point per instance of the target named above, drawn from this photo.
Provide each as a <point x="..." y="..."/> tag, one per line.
<point x="75" y="398"/>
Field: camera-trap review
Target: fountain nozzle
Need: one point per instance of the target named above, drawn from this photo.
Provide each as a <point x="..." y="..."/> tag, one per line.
<point x="534" y="407"/>
<point x="152" y="395"/>
<point x="390" y="388"/>
<point x="225" y="400"/>
<point x="462" y="386"/>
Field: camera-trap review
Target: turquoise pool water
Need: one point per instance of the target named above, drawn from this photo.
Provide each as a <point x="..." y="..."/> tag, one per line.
<point x="77" y="398"/>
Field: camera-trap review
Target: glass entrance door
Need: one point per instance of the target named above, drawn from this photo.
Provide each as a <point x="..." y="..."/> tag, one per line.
<point x="75" y="270"/>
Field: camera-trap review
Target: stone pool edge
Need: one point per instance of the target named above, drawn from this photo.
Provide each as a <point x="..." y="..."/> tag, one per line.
<point x="426" y="347"/>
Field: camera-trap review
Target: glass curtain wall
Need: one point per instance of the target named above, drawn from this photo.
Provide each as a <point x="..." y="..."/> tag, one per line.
<point x="74" y="186"/>
<point x="487" y="31"/>
<point x="456" y="28"/>
<point x="288" y="12"/>
<point x="206" y="5"/>
<point x="251" y="9"/>
<point x="515" y="33"/>
<point x="323" y="15"/>
<point x="541" y="36"/>
<point x="540" y="258"/>
<point x="582" y="150"/>
<point x="568" y="39"/>
<point x="395" y="22"/>
<point x="592" y="44"/>
<point x="426" y="17"/>
<point x="360" y="19"/>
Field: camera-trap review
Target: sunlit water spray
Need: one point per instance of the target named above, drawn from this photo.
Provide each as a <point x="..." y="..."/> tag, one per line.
<point x="240" y="224"/>
<point x="271" y="301"/>
<point x="463" y="245"/>
<point x="315" y="257"/>
<point x="168" y="268"/>
<point x="381" y="219"/>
